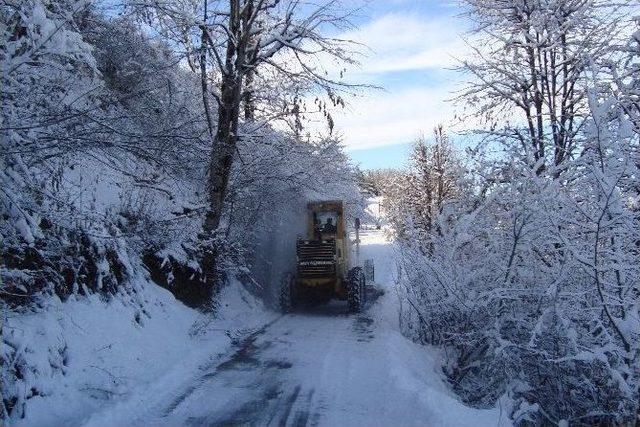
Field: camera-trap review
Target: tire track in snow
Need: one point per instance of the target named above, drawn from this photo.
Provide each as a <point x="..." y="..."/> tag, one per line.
<point x="243" y="354"/>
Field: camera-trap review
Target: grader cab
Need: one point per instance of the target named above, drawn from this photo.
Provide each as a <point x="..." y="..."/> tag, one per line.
<point x="324" y="267"/>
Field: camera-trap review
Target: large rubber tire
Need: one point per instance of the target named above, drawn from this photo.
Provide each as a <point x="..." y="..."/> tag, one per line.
<point x="287" y="292"/>
<point x="356" y="290"/>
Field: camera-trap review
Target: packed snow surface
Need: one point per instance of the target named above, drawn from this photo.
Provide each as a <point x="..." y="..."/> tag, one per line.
<point x="317" y="366"/>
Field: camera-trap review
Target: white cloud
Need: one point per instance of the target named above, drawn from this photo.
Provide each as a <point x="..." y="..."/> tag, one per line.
<point x="398" y="44"/>
<point x="401" y="43"/>
<point x="408" y="42"/>
<point x="390" y="118"/>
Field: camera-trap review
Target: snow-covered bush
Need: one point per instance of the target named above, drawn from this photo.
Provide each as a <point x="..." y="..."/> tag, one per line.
<point x="536" y="290"/>
<point x="74" y="148"/>
<point x="57" y="239"/>
<point x="531" y="278"/>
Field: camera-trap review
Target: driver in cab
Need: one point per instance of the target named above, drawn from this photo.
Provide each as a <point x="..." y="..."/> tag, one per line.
<point x="329" y="227"/>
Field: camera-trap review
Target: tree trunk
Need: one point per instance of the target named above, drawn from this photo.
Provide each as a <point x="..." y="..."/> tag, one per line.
<point x="249" y="107"/>
<point x="225" y="142"/>
<point x="220" y="165"/>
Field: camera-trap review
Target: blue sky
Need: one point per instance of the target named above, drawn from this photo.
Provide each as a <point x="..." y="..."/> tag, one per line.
<point x="384" y="156"/>
<point x="412" y="45"/>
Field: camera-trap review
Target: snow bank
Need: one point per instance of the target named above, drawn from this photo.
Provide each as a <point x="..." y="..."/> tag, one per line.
<point x="86" y="355"/>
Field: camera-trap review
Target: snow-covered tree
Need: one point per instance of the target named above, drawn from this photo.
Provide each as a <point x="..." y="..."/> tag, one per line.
<point x="434" y="179"/>
<point x="527" y="73"/>
<point x="238" y="46"/>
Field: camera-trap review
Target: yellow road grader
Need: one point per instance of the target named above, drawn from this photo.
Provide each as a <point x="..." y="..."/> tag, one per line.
<point x="324" y="267"/>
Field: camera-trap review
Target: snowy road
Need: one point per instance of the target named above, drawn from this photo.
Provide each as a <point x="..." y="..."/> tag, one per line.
<point x="320" y="367"/>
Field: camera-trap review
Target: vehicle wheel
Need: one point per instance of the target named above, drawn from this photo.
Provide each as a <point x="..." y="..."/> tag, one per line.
<point x="287" y="292"/>
<point x="356" y="290"/>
